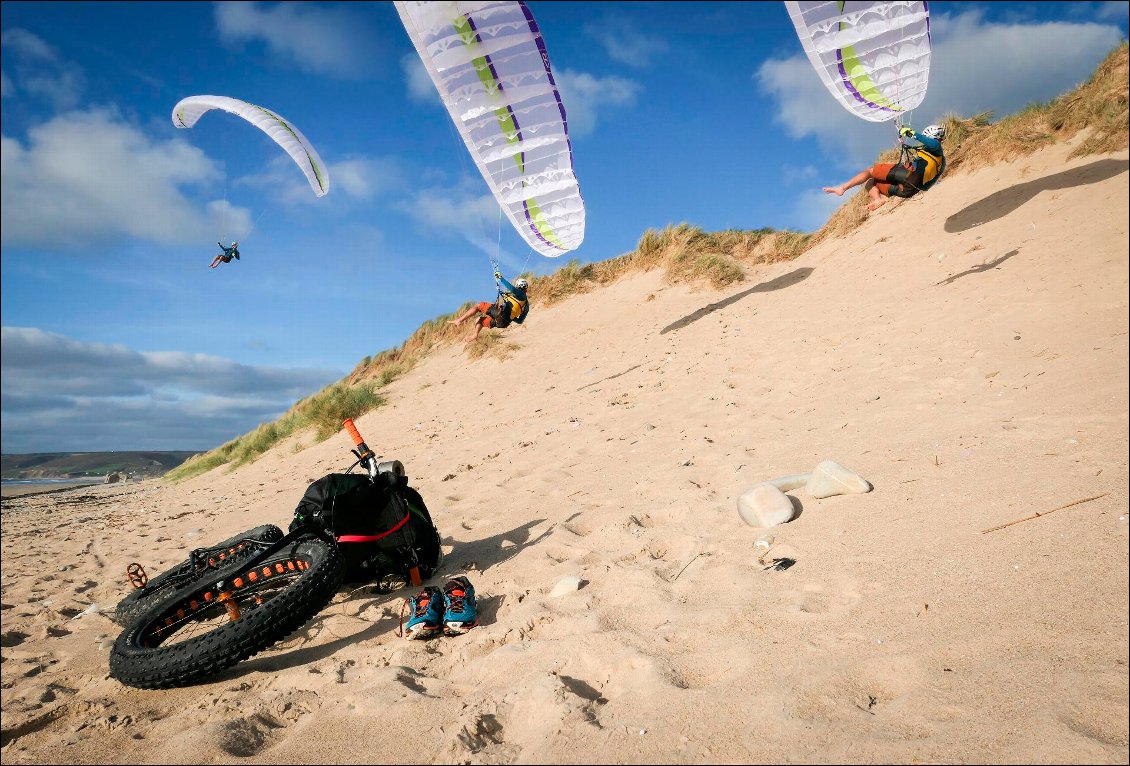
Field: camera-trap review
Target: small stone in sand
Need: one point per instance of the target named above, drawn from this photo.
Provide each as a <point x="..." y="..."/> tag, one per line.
<point x="566" y="584"/>
<point x="765" y="506"/>
<point x="830" y="478"/>
<point x="785" y="483"/>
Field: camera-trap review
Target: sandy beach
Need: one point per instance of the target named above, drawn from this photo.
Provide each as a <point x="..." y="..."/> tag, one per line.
<point x="965" y="352"/>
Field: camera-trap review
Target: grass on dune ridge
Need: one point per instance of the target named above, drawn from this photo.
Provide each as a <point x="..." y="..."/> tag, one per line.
<point x="688" y="254"/>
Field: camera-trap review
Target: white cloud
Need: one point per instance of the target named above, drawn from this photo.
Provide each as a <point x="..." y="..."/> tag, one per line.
<point x="87" y="178"/>
<point x="584" y="95"/>
<point x="461" y="212"/>
<point x="281" y="181"/>
<point x="28" y="46"/>
<point x="357" y="177"/>
<point x="975" y="66"/>
<point x="7" y="87"/>
<point x="61" y="89"/>
<point x="366" y="177"/>
<point x="421" y="89"/>
<point x="1003" y="67"/>
<point x="1113" y="11"/>
<point x="59" y="393"/>
<point x="329" y="40"/>
<point x="812" y="208"/>
<point x="39" y="71"/>
<point x="625" y="43"/>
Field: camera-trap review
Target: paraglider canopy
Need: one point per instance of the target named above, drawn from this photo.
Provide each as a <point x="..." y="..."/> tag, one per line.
<point x="490" y="65"/>
<point x="189" y="110"/>
<point x="874" y="57"/>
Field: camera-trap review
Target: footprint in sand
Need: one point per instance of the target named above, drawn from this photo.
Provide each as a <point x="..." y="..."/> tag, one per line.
<point x="407" y="677"/>
<point x="1101" y="715"/>
<point x="563" y="553"/>
<point x="591" y="699"/>
<point x="12" y="638"/>
<point x="580" y="529"/>
<point x="53" y="690"/>
<point x="246" y="737"/>
<point x="868" y="687"/>
<point x="485" y="735"/>
<point x="817" y="599"/>
<point x="642" y="520"/>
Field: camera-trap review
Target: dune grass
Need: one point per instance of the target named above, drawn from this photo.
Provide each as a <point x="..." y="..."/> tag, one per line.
<point x="689" y="255"/>
<point x="322" y="412"/>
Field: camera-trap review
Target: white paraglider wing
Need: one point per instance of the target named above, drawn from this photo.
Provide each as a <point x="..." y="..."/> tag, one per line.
<point x="189" y="110"/>
<point x="873" y="57"/>
<point x="489" y="63"/>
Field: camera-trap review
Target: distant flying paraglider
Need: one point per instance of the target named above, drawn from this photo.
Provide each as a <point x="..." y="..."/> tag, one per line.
<point x="189" y="110"/>
<point x="489" y="63"/>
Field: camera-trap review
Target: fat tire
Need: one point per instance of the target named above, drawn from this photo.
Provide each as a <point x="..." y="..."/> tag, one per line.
<point x="165" y="585"/>
<point x="164" y="666"/>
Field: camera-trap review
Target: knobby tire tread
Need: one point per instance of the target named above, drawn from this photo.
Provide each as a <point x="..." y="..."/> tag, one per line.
<point x="158" y="591"/>
<point x="197" y="658"/>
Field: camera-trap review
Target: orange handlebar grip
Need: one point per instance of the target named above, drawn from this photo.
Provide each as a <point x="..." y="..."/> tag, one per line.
<point x="352" y="429"/>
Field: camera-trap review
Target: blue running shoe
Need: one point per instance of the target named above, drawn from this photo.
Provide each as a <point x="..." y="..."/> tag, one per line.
<point x="460" y="611"/>
<point x="427" y="614"/>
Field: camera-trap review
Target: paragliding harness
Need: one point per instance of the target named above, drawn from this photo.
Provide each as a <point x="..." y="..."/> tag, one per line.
<point x="382" y="526"/>
<point x="499" y="313"/>
<point x="228" y="253"/>
<point x="502" y="312"/>
<point x="908" y="156"/>
<point x="506" y="307"/>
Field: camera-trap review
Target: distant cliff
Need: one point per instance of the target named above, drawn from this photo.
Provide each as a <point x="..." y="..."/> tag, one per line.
<point x="75" y="465"/>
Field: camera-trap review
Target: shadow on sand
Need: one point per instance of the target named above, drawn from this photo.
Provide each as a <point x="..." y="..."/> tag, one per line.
<point x="978" y="269"/>
<point x="781" y="282"/>
<point x="1001" y="203"/>
<point x="480" y="553"/>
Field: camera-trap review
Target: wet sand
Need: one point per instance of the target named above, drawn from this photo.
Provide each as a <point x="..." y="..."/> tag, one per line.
<point x="20" y="490"/>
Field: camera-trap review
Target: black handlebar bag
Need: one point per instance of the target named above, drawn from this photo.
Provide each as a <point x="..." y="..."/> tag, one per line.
<point x="382" y="526"/>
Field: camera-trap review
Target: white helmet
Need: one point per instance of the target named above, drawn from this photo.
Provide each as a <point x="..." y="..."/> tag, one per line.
<point x="521" y="284"/>
<point x="235" y="244"/>
<point x="937" y="132"/>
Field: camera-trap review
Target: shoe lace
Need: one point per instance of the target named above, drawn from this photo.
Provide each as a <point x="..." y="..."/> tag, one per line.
<point x="456" y="597"/>
<point x="400" y="629"/>
<point x="419" y="602"/>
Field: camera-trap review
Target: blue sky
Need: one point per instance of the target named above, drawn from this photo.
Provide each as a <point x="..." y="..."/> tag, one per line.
<point x="117" y="335"/>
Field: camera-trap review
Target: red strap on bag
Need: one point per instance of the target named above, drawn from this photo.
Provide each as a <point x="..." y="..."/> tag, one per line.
<point x="373" y="538"/>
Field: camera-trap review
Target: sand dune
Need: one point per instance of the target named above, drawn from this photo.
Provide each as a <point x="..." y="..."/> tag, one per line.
<point x="965" y="352"/>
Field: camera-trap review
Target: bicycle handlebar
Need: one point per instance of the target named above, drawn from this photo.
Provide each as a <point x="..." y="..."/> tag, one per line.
<point x="353" y="432"/>
<point x="363" y="452"/>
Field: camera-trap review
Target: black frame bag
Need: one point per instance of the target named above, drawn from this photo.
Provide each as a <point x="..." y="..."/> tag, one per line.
<point x="382" y="526"/>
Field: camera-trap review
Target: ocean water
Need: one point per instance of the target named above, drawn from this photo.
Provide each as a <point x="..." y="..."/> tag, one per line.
<point x="24" y="482"/>
<point x="51" y="483"/>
